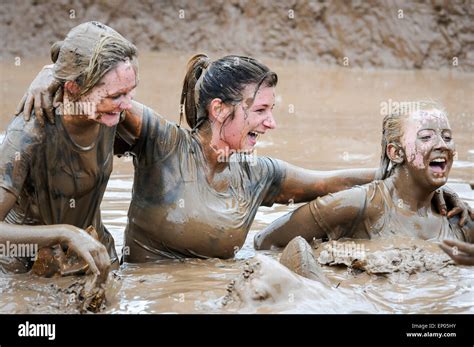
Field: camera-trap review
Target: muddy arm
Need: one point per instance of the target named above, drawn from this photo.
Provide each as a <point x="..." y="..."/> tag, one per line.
<point x="284" y="229"/>
<point x="330" y="216"/>
<point x="129" y="129"/>
<point x="92" y="251"/>
<point x="302" y="185"/>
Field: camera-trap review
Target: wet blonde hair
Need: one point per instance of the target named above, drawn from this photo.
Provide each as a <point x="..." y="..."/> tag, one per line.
<point x="88" y="52"/>
<point x="392" y="132"/>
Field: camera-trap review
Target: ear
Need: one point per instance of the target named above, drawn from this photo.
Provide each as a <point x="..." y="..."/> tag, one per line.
<point x="395" y="153"/>
<point x="218" y="111"/>
<point x="72" y="88"/>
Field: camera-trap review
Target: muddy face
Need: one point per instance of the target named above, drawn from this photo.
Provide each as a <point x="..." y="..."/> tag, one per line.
<point x="252" y="118"/>
<point x="429" y="147"/>
<point x="112" y="94"/>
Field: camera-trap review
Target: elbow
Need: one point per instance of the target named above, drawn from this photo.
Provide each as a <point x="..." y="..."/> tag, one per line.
<point x="261" y="242"/>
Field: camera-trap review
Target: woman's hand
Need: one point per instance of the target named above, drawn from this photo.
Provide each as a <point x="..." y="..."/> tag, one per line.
<point x="445" y="197"/>
<point x="461" y="252"/>
<point x="42" y="94"/>
<point x="89" y="249"/>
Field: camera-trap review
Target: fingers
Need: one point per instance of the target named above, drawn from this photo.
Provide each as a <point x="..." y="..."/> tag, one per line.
<point x="464" y="217"/>
<point x="28" y="107"/>
<point x="48" y="106"/>
<point x="458" y="210"/>
<point x="19" y="108"/>
<point x="58" y="97"/>
<point x="54" y="86"/>
<point x="39" y="110"/>
<point x="460" y="245"/>
<point x="103" y="262"/>
<point x="90" y="260"/>
<point x="459" y="258"/>
<point x="440" y="202"/>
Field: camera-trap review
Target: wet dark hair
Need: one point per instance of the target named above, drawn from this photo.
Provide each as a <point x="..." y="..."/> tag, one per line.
<point x="224" y="78"/>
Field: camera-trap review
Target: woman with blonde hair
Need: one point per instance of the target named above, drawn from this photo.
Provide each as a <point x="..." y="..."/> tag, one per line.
<point x="417" y="155"/>
<point x="53" y="178"/>
<point x="196" y="192"/>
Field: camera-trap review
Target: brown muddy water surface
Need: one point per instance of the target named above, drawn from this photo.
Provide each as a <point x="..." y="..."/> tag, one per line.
<point x="327" y="119"/>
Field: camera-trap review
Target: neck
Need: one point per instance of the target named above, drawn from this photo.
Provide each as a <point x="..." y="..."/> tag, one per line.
<point x="83" y="130"/>
<point x="409" y="194"/>
<point x="216" y="151"/>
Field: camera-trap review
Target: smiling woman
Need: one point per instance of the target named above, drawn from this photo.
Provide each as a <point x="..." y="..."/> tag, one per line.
<point x="417" y="155"/>
<point x="52" y="178"/>
<point x="196" y="192"/>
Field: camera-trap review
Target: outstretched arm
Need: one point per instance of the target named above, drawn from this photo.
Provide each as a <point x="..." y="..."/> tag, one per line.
<point x="302" y="185"/>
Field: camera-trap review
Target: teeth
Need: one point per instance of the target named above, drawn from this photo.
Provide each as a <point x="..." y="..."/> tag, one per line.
<point x="439" y="160"/>
<point x="254" y="134"/>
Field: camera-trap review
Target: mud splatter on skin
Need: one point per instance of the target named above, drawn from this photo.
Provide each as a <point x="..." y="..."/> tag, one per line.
<point x="250" y="121"/>
<point x="111" y="95"/>
<point x="425" y="131"/>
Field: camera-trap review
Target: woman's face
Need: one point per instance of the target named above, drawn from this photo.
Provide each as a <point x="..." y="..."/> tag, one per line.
<point x="112" y="94"/>
<point x="429" y="147"/>
<point x="252" y="118"/>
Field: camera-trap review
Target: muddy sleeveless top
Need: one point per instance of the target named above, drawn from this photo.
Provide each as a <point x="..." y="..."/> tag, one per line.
<point x="175" y="212"/>
<point x="356" y="201"/>
<point x="55" y="180"/>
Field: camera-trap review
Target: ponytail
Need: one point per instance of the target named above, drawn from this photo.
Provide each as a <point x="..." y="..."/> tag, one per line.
<point x="225" y="79"/>
<point x="190" y="93"/>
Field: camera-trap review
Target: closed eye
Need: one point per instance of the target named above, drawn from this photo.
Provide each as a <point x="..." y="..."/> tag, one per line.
<point x="115" y="97"/>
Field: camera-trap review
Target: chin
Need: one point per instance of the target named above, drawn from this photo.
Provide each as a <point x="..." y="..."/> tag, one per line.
<point x="108" y="120"/>
<point x="437" y="182"/>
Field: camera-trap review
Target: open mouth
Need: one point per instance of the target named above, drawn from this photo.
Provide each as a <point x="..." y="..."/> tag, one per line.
<point x="438" y="165"/>
<point x="253" y="136"/>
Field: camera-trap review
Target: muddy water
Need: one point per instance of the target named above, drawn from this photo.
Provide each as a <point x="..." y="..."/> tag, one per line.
<point x="327" y="119"/>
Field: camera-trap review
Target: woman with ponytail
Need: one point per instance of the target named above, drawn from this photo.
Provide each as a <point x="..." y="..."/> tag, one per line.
<point x="417" y="155"/>
<point x="53" y="177"/>
<point x="196" y="192"/>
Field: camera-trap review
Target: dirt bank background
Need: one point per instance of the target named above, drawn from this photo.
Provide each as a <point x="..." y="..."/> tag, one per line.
<point x="383" y="34"/>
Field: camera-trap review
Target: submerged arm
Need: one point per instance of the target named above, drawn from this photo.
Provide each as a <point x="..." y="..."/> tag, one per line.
<point x="92" y="251"/>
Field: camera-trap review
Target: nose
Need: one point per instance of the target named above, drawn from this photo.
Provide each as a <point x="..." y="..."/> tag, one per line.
<point x="125" y="102"/>
<point x="270" y="122"/>
<point x="441" y="144"/>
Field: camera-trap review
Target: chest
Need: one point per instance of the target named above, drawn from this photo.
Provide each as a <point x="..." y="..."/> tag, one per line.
<point x="401" y="222"/>
<point x="65" y="173"/>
